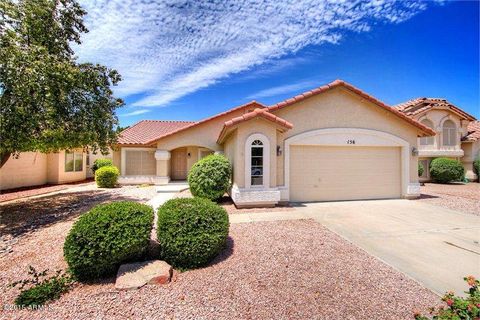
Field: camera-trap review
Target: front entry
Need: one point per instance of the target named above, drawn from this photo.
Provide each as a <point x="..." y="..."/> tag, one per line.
<point x="179" y="164"/>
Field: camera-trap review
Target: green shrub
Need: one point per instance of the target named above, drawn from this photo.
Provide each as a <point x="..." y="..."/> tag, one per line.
<point x="107" y="177"/>
<point x="445" y="170"/>
<point x="210" y="177"/>
<point x="191" y="231"/>
<point x="107" y="236"/>
<point x="97" y="164"/>
<point x="476" y="167"/>
<point x="40" y="288"/>
<point x="420" y="169"/>
<point x="458" y="307"/>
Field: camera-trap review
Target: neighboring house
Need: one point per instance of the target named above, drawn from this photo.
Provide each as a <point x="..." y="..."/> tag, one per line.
<point x="457" y="133"/>
<point x="332" y="143"/>
<point x="36" y="168"/>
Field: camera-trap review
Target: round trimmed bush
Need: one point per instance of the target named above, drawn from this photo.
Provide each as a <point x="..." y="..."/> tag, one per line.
<point x="191" y="231"/>
<point x="107" y="177"/>
<point x="445" y="170"/>
<point x="107" y="236"/>
<point x="210" y="177"/>
<point x="97" y="164"/>
<point x="420" y="169"/>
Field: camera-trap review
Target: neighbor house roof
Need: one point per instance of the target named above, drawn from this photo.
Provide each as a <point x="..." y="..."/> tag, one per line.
<point x="146" y="130"/>
<point x="473" y="131"/>
<point x="262" y="113"/>
<point x="341" y="83"/>
<point x="417" y="106"/>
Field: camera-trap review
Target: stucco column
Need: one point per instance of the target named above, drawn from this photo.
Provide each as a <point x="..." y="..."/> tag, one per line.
<point x="163" y="164"/>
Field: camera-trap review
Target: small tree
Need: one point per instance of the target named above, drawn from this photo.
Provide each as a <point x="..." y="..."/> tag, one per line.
<point x="49" y="101"/>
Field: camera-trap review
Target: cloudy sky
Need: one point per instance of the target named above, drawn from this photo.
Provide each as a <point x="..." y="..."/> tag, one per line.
<point x="191" y="59"/>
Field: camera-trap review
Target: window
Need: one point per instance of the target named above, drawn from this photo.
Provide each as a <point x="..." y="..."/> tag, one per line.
<point x="73" y="161"/>
<point x="140" y="163"/>
<point x="449" y="133"/>
<point x="427" y="141"/>
<point x="257" y="163"/>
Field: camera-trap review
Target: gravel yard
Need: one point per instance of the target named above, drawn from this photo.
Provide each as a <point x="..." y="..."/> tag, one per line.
<point x="460" y="197"/>
<point x="270" y="270"/>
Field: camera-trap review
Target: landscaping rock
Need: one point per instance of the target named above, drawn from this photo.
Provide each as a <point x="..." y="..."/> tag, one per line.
<point x="135" y="275"/>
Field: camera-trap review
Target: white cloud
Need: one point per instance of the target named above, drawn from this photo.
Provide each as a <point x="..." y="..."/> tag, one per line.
<point x="284" y="89"/>
<point x="166" y="50"/>
<point x="135" y="113"/>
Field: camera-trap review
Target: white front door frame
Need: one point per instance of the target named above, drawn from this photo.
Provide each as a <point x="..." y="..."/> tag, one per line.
<point x="350" y="137"/>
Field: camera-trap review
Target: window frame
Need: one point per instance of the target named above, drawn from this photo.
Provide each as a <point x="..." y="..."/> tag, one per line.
<point x="265" y="161"/>
<point x="427" y="141"/>
<point x="449" y="133"/>
<point x="257" y="144"/>
<point x="77" y="157"/>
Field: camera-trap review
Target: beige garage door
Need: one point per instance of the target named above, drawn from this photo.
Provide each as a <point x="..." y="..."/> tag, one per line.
<point x="319" y="173"/>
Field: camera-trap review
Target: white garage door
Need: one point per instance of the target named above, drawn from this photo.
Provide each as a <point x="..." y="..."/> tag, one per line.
<point x="320" y="173"/>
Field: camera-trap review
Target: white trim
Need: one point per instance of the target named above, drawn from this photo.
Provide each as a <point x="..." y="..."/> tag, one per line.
<point x="243" y="197"/>
<point x="339" y="137"/>
<point x="162" y="155"/>
<point x="123" y="156"/>
<point x="150" y="179"/>
<point x="266" y="161"/>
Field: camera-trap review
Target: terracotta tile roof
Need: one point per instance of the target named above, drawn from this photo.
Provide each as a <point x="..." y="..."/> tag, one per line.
<point x="341" y="83"/>
<point x="146" y="130"/>
<point x="263" y="113"/>
<point x="473" y="131"/>
<point x="419" y="105"/>
<point x="252" y="104"/>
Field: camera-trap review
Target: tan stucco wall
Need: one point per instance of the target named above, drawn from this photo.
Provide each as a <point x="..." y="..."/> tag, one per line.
<point x="116" y="158"/>
<point x="230" y="151"/>
<point x="52" y="171"/>
<point x="163" y="168"/>
<point x="472" y="152"/>
<point x="63" y="176"/>
<point x="30" y="169"/>
<point x="203" y="135"/>
<point x="246" y="129"/>
<point x="341" y="108"/>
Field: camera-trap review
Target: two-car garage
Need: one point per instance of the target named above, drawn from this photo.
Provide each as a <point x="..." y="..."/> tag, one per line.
<point x="326" y="173"/>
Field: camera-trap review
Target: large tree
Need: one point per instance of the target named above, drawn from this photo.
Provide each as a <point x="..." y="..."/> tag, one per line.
<point x="48" y="100"/>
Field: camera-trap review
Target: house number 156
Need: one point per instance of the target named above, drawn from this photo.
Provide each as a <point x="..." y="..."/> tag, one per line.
<point x="350" y="141"/>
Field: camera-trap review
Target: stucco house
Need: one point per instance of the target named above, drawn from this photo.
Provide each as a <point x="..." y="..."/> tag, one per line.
<point x="335" y="142"/>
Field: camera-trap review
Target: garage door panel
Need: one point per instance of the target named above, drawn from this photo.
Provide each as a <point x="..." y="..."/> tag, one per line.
<point x="320" y="173"/>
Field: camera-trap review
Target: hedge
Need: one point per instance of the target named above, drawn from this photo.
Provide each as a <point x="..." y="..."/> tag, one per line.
<point x="191" y="231"/>
<point x="104" y="162"/>
<point x="106" y="236"/>
<point x="210" y="177"/>
<point x="107" y="177"/>
<point x="444" y="170"/>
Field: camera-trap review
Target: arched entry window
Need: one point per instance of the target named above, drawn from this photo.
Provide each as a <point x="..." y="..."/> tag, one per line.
<point x="427" y="141"/>
<point x="257" y="161"/>
<point x="256" y="158"/>
<point x="449" y="133"/>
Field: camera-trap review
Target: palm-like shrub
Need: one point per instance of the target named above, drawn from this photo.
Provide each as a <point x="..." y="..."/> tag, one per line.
<point x="107" y="236"/>
<point x="446" y="170"/>
<point x="210" y="177"/>
<point x="191" y="231"/>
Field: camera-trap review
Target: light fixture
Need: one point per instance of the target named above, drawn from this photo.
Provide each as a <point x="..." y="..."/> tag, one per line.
<point x="279" y="151"/>
<point x="414" y="151"/>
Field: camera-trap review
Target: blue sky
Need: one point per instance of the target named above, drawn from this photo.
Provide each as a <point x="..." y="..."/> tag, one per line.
<point x="187" y="61"/>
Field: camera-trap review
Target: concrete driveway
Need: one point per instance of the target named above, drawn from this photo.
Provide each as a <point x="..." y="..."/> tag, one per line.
<point x="433" y="245"/>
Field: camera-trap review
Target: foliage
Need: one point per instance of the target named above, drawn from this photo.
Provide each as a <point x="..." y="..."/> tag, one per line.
<point x="49" y="101"/>
<point x="97" y="164"/>
<point x="421" y="169"/>
<point x="106" y="236"/>
<point x="41" y="288"/>
<point x="458" y="307"/>
<point x="445" y="170"/>
<point x="210" y="177"/>
<point x="476" y="166"/>
<point x="191" y="231"/>
<point x="107" y="177"/>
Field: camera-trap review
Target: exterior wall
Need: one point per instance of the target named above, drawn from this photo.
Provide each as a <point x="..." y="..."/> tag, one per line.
<point x="203" y="135"/>
<point x="339" y="108"/>
<point x="472" y="152"/>
<point x="116" y="158"/>
<point x="30" y="169"/>
<point x="52" y="171"/>
<point x="243" y="132"/>
<point x="230" y="151"/>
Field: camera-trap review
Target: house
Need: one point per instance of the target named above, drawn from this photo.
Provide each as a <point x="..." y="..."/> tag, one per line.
<point x="36" y="168"/>
<point x="457" y="133"/>
<point x="335" y="142"/>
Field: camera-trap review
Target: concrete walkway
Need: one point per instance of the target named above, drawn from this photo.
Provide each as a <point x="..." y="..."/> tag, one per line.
<point x="166" y="192"/>
<point x="433" y="245"/>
